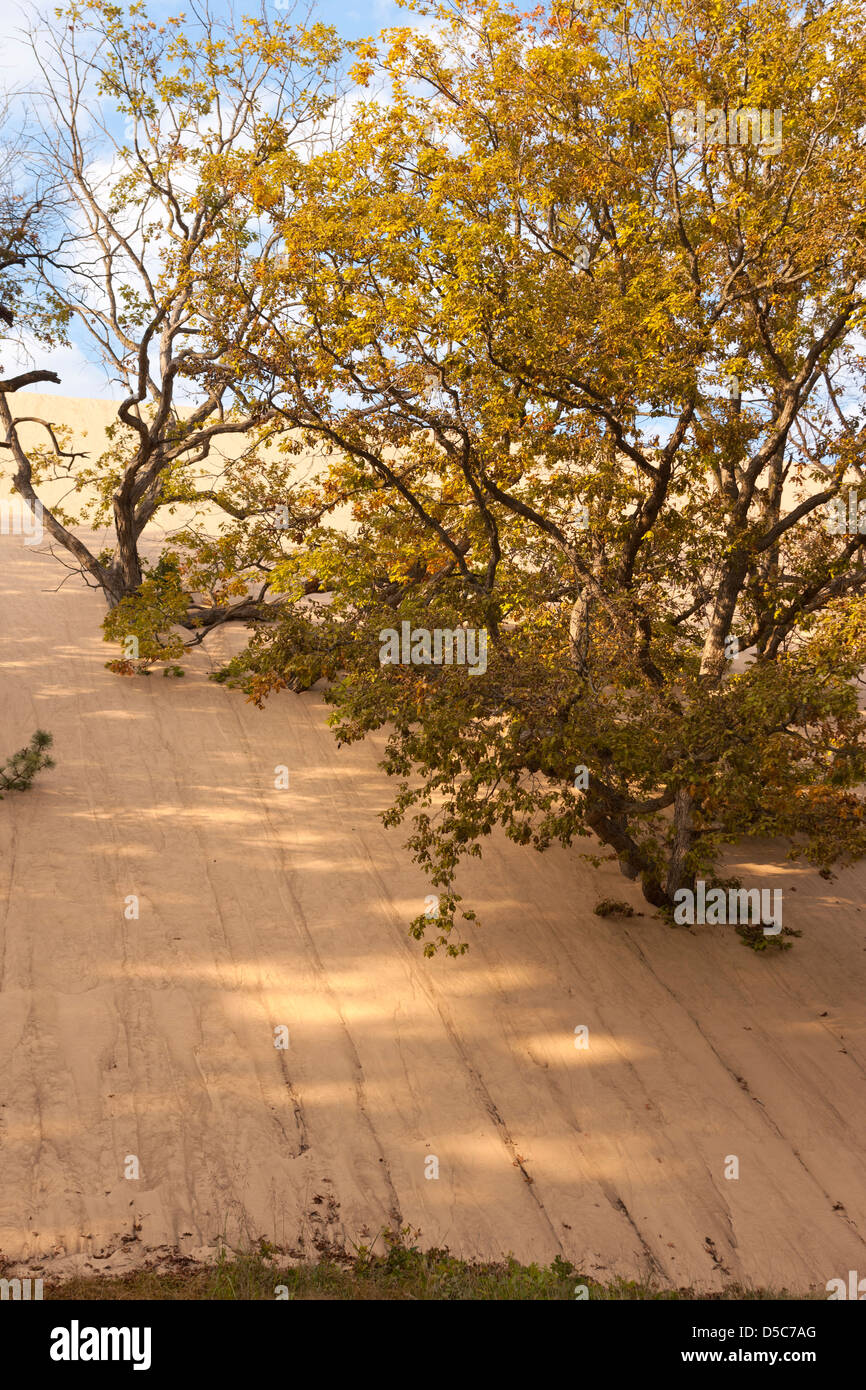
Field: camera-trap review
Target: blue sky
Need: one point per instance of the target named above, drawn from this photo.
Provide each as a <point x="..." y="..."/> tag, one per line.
<point x="358" y="20"/>
<point x="81" y="372"/>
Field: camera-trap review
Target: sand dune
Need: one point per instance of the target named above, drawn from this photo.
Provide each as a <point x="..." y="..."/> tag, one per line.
<point x="261" y="907"/>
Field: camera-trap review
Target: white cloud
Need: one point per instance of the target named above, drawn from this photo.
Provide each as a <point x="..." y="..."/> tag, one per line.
<point x="18" y="64"/>
<point x="79" y="374"/>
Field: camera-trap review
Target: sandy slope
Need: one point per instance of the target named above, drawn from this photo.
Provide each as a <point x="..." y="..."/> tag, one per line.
<point x="260" y="907"/>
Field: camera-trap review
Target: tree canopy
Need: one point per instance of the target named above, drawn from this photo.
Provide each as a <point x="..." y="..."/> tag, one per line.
<point x="572" y="312"/>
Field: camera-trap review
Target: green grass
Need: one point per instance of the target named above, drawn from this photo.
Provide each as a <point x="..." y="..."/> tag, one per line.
<point x="402" y="1272"/>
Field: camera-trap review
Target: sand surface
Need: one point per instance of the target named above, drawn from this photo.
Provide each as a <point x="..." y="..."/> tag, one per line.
<point x="262" y="907"/>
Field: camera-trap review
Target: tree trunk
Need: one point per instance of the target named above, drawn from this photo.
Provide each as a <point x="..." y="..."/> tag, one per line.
<point x="633" y="863"/>
<point x="126" y="563"/>
<point x="678" y="875"/>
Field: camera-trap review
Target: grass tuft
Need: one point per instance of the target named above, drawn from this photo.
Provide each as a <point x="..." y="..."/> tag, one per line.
<point x="402" y="1272"/>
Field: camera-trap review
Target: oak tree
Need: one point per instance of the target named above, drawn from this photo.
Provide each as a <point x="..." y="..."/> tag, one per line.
<point x="156" y="135"/>
<point x="576" y="312"/>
